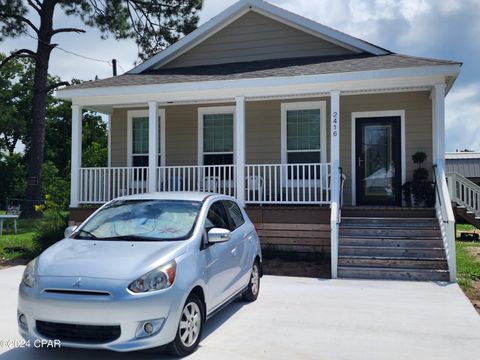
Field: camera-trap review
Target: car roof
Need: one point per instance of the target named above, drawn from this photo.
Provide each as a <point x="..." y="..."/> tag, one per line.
<point x="172" y="195"/>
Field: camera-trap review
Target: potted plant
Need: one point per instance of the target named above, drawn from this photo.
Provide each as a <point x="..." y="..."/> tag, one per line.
<point x="420" y="191"/>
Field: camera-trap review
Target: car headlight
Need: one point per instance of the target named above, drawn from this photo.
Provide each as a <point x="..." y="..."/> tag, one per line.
<point x="157" y="279"/>
<point x="29" y="278"/>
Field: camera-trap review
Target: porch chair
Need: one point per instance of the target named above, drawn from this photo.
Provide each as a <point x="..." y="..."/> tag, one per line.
<point x="254" y="185"/>
<point x="210" y="183"/>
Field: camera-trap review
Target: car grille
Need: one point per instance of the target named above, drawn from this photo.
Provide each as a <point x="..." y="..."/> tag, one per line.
<point x="89" y="334"/>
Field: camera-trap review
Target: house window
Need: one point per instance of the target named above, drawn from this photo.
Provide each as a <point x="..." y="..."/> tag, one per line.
<point x="139" y="139"/>
<point x="216" y="138"/>
<point x="303" y="135"/>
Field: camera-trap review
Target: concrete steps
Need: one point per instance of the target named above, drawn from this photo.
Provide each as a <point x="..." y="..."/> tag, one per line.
<point x="392" y="248"/>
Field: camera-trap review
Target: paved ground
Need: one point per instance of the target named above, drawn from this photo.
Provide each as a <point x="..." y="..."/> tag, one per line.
<point x="302" y="318"/>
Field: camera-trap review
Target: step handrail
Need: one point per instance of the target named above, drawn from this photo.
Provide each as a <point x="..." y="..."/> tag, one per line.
<point x="464" y="192"/>
<point x="446" y="218"/>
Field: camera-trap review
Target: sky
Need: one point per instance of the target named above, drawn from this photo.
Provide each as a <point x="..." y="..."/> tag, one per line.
<point x="444" y="29"/>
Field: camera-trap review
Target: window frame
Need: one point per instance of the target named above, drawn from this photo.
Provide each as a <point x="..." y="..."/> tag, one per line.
<point x="131" y="114"/>
<point x="214" y="110"/>
<point x="304" y="105"/>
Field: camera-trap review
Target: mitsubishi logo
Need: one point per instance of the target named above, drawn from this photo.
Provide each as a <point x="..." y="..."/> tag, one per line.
<point x="77" y="282"/>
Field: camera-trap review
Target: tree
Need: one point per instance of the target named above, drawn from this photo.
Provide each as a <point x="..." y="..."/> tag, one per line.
<point x="153" y="24"/>
<point x="16" y="79"/>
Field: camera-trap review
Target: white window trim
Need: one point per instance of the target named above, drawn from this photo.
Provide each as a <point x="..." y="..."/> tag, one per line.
<point x="304" y="105"/>
<point x="368" y="114"/>
<point x="144" y="113"/>
<point x="212" y="110"/>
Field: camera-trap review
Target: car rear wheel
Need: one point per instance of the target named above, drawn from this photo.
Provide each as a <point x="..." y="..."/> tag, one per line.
<point x="189" y="328"/>
<point x="253" y="288"/>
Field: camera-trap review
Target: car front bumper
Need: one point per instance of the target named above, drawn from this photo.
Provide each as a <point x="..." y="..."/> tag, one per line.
<point x="111" y="305"/>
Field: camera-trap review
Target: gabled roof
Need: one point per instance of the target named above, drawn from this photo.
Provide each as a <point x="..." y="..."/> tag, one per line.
<point x="241" y="8"/>
<point x="267" y="68"/>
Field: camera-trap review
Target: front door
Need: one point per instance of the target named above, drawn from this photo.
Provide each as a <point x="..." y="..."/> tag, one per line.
<point x="378" y="161"/>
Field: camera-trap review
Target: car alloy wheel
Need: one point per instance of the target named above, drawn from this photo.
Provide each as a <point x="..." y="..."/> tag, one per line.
<point x="190" y="324"/>
<point x="255" y="280"/>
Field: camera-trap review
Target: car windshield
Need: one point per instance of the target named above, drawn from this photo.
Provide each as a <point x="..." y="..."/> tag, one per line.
<point x="142" y="220"/>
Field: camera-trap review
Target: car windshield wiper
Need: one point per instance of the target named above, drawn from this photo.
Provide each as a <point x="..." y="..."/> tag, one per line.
<point x="88" y="233"/>
<point x="128" y="238"/>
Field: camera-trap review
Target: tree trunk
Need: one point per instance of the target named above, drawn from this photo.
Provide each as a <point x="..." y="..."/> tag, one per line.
<point x="39" y="108"/>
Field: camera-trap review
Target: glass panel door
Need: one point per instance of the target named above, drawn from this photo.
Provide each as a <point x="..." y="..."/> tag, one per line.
<point x="378" y="167"/>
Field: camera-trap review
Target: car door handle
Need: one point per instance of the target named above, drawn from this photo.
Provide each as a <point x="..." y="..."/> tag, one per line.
<point x="234" y="252"/>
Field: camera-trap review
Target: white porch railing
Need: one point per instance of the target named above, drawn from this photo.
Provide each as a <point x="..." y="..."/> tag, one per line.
<point x="99" y="185"/>
<point x="208" y="178"/>
<point x="443" y="207"/>
<point x="287" y="184"/>
<point x="264" y="184"/>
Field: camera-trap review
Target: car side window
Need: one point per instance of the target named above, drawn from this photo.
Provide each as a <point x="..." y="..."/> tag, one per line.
<point x="235" y="214"/>
<point x="216" y="217"/>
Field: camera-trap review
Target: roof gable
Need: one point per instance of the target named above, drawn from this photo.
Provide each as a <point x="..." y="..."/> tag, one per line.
<point x="336" y="42"/>
<point x="256" y="37"/>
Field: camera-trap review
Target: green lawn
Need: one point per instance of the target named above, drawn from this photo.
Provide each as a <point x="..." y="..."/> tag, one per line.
<point x="20" y="246"/>
<point x="468" y="262"/>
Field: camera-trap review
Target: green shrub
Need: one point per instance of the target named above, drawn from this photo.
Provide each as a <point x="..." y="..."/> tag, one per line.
<point x="51" y="226"/>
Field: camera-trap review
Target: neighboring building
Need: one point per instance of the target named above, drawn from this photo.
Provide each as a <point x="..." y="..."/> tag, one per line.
<point x="464" y="163"/>
<point x="276" y="109"/>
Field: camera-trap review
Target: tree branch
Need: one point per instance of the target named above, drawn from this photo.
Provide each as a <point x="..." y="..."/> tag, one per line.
<point x="20" y="18"/>
<point x="56" y="31"/>
<point x="54" y="86"/>
<point x="18" y="54"/>
<point x="36" y="5"/>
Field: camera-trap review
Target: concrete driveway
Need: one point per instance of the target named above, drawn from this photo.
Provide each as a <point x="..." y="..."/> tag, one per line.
<point x="301" y="318"/>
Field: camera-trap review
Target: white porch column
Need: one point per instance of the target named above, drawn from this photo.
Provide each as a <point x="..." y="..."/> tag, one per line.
<point x="335" y="175"/>
<point x="152" y="145"/>
<point x="438" y="112"/>
<point x="76" y="161"/>
<point x="109" y="132"/>
<point x="240" y="147"/>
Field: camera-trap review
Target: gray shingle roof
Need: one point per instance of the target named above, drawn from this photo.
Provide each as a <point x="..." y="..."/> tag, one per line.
<point x="266" y="68"/>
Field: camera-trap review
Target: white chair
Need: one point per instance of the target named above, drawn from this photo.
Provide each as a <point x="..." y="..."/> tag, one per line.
<point x="254" y="183"/>
<point x="210" y="183"/>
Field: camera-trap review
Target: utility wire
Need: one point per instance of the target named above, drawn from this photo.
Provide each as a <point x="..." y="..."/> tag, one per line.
<point x="70" y="52"/>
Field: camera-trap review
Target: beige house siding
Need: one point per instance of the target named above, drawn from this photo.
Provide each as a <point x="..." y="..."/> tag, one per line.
<point x="256" y="37"/>
<point x="418" y="126"/>
<point x="119" y="137"/>
<point x="263" y="129"/>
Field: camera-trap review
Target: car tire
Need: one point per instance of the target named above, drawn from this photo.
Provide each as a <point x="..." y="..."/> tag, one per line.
<point x="253" y="288"/>
<point x="192" y="317"/>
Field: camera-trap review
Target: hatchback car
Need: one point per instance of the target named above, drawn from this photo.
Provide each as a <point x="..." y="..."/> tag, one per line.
<point x="141" y="272"/>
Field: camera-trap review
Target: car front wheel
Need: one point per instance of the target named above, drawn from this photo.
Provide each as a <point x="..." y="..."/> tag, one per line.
<point x="253" y="288"/>
<point x="190" y="327"/>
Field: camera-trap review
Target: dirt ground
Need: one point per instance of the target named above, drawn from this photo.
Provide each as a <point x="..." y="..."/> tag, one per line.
<point x="9" y="263"/>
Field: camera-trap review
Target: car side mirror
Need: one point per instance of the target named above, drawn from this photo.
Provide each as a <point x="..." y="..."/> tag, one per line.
<point x="69" y="231"/>
<point x="218" y="235"/>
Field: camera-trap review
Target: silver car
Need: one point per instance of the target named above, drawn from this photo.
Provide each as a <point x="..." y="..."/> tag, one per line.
<point x="143" y="271"/>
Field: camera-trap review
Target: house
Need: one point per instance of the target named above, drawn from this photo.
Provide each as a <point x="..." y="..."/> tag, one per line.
<point x="463" y="177"/>
<point x="312" y="129"/>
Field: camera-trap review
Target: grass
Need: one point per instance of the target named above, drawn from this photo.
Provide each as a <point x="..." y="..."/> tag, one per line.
<point x="19" y="246"/>
<point x="468" y="264"/>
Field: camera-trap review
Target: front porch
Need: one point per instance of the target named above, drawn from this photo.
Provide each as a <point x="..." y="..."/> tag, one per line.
<point x="294" y="154"/>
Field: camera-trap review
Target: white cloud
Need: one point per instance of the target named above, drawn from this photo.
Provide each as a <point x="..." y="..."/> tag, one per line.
<point x="462" y="114"/>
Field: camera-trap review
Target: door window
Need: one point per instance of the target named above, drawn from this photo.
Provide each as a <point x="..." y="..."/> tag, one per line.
<point x="235" y="214"/>
<point x="216" y="217"/>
